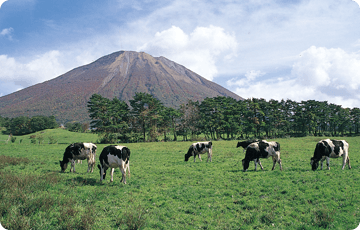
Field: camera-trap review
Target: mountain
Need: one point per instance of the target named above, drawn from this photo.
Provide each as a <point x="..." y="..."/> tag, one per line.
<point x="120" y="74"/>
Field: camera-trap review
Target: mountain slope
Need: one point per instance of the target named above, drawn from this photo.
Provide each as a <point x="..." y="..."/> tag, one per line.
<point x="120" y="74"/>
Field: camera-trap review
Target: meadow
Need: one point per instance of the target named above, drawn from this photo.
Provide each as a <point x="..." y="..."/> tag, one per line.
<point x="165" y="192"/>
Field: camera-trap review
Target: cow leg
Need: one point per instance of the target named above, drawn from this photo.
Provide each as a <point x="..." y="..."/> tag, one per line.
<point x="128" y="167"/>
<point x="72" y="169"/>
<point x="262" y="168"/>
<point x="321" y="162"/>
<point x="112" y="174"/>
<point x="209" y="155"/>
<point x="280" y="164"/>
<point x="255" y="162"/>
<point x="89" y="164"/>
<point x="348" y="162"/>
<point x="328" y="163"/>
<point x="199" y="157"/>
<point x="274" y="163"/>
<point x="101" y="173"/>
<point x="92" y="167"/>
<point x="123" y="174"/>
<point x="344" y="161"/>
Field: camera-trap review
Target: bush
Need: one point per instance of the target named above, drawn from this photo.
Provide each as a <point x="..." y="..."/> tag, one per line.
<point x="133" y="218"/>
<point x="52" y="140"/>
<point x="40" y="139"/>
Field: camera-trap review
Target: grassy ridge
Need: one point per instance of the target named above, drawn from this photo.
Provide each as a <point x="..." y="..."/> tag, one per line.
<point x="164" y="192"/>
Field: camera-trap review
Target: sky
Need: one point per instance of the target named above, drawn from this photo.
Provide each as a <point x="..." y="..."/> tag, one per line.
<point x="272" y="49"/>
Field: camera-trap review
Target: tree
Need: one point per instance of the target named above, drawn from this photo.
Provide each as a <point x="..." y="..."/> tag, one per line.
<point x="355" y="118"/>
<point x="189" y="120"/>
<point x="219" y="116"/>
<point x="146" y="111"/>
<point x="109" y="117"/>
<point x="170" y="117"/>
<point x="74" y="127"/>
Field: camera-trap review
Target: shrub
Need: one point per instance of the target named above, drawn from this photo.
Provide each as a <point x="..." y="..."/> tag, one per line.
<point x="133" y="219"/>
<point x="40" y="139"/>
<point x="52" y="140"/>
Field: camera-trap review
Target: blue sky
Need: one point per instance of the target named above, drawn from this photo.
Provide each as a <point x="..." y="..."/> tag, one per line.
<point x="272" y="49"/>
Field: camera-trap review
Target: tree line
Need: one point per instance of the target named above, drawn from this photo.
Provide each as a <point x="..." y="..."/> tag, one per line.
<point x="146" y="119"/>
<point x="25" y="125"/>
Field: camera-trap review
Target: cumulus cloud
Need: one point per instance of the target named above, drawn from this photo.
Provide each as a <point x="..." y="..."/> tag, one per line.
<point x="7" y="33"/>
<point x="198" y="50"/>
<point x="332" y="68"/>
<point x="318" y="74"/>
<point x="38" y="69"/>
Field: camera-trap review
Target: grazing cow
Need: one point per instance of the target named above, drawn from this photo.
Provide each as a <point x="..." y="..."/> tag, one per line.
<point x="114" y="156"/>
<point x="326" y="149"/>
<point x="245" y="144"/>
<point x="262" y="149"/>
<point x="199" y="148"/>
<point x="79" y="151"/>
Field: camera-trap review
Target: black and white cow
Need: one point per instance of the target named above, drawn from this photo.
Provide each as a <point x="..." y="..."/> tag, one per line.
<point x="79" y="151"/>
<point x="114" y="156"/>
<point x="245" y="144"/>
<point x="326" y="149"/>
<point x="199" y="148"/>
<point x="262" y="149"/>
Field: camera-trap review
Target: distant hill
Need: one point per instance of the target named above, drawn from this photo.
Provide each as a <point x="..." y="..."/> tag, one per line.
<point x="120" y="74"/>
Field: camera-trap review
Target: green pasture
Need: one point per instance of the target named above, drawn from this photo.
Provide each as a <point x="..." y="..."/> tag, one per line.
<point x="165" y="192"/>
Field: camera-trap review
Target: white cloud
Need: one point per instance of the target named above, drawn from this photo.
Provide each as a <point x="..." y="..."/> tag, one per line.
<point x="197" y="51"/>
<point x="38" y="69"/>
<point x="318" y="74"/>
<point x="250" y="77"/>
<point x="7" y="33"/>
<point x="328" y="67"/>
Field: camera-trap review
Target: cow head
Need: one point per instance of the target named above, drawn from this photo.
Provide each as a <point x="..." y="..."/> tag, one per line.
<point x="314" y="163"/>
<point x="245" y="164"/>
<point x="187" y="157"/>
<point x="189" y="153"/>
<point x="63" y="166"/>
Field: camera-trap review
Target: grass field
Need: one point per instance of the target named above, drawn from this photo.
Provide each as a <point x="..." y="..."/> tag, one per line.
<point x="165" y="192"/>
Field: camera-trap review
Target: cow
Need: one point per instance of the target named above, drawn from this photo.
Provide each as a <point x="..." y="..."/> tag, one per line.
<point x="326" y="149"/>
<point x="199" y="148"/>
<point x="79" y="151"/>
<point x="262" y="149"/>
<point x="114" y="156"/>
<point x="245" y="144"/>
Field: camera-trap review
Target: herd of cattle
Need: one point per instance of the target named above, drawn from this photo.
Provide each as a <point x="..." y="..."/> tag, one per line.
<point x="115" y="156"/>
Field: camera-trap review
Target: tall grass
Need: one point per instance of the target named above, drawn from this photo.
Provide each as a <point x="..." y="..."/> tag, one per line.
<point x="165" y="192"/>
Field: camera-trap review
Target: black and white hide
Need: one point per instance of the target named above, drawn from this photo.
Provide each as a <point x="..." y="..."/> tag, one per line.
<point x="326" y="149"/>
<point x="199" y="148"/>
<point x="114" y="156"/>
<point x="262" y="149"/>
<point x="245" y="144"/>
<point x="79" y="151"/>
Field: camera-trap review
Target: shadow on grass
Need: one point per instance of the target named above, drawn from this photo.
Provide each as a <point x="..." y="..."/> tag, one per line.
<point x="83" y="181"/>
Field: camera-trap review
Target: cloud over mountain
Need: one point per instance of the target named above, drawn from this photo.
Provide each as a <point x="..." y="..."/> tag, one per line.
<point x="198" y="50"/>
